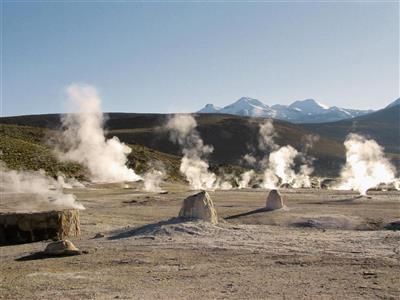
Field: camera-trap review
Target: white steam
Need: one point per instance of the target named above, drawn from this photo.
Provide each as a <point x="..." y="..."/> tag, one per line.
<point x="154" y="177"/>
<point x="266" y="136"/>
<point x="182" y="130"/>
<point x="68" y="183"/>
<point x="245" y="179"/>
<point x="366" y="166"/>
<point x="278" y="166"/>
<point x="85" y="142"/>
<point x="43" y="189"/>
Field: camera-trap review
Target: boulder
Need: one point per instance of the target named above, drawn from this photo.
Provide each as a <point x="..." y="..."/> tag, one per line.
<point x="18" y="228"/>
<point x="61" y="248"/>
<point x="286" y="186"/>
<point x="274" y="200"/>
<point x="199" y="206"/>
<point x="329" y="183"/>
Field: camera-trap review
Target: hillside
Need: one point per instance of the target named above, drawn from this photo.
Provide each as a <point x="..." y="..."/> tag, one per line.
<point x="383" y="126"/>
<point x="232" y="136"/>
<point x="28" y="148"/>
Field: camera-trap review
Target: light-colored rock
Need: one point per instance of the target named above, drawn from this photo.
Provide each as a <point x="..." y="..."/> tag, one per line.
<point x="274" y="200"/>
<point x="286" y="186"/>
<point x="62" y="247"/>
<point x="199" y="206"/>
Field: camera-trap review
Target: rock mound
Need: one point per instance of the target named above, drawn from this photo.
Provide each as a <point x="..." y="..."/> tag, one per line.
<point x="18" y="228"/>
<point x="61" y="248"/>
<point x="199" y="206"/>
<point x="274" y="200"/>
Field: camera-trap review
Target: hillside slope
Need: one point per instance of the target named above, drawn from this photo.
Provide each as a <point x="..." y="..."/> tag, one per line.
<point x="27" y="148"/>
<point x="231" y="136"/>
<point x="383" y="126"/>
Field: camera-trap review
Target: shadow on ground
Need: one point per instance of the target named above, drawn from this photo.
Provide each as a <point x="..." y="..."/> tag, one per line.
<point x="252" y="212"/>
<point x="149" y="229"/>
<point x="43" y="255"/>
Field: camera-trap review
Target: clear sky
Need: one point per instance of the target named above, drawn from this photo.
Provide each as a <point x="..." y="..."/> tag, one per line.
<point x="176" y="57"/>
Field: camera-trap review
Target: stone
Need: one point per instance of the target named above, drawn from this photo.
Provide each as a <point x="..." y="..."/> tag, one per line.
<point x="18" y="228"/>
<point x="274" y="200"/>
<point x="61" y="248"/>
<point x="329" y="183"/>
<point x="199" y="206"/>
<point x="286" y="186"/>
<point x="99" y="235"/>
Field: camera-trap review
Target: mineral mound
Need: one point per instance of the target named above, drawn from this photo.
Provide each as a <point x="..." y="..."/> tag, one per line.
<point x="18" y="228"/>
<point x="199" y="206"/>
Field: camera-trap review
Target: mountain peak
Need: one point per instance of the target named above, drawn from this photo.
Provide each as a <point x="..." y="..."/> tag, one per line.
<point x="251" y="101"/>
<point x="300" y="111"/>
<point x="394" y="103"/>
<point x="209" y="109"/>
<point x="309" y="105"/>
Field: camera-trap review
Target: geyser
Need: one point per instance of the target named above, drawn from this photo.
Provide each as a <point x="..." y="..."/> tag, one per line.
<point x="182" y="130"/>
<point x="83" y="139"/>
<point x="366" y="166"/>
<point x="278" y="165"/>
<point x="152" y="180"/>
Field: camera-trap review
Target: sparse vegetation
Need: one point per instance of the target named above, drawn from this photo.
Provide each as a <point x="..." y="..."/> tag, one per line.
<point x="231" y="136"/>
<point x="26" y="148"/>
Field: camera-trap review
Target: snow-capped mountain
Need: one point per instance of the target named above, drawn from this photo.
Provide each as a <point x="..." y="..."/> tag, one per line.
<point x="209" y="109"/>
<point x="394" y="103"/>
<point x="300" y="111"/>
<point x="247" y="107"/>
<point x="310" y="106"/>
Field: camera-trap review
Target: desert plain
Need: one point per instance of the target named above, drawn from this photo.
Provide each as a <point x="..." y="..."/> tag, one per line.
<point x="324" y="244"/>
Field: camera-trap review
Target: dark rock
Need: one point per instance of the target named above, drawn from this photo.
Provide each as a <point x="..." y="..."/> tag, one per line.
<point x="18" y="228"/>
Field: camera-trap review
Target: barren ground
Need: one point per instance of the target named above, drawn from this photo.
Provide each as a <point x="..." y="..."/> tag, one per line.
<point x="324" y="245"/>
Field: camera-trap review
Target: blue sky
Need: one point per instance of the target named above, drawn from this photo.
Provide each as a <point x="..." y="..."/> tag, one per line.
<point x="176" y="57"/>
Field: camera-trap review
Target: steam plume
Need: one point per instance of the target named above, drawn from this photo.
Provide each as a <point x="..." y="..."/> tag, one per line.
<point x="278" y="166"/>
<point x="266" y="136"/>
<point x="245" y="179"/>
<point x="153" y="178"/>
<point x="44" y="189"/>
<point x="194" y="166"/>
<point x="366" y="166"/>
<point x="85" y="142"/>
<point x="68" y="183"/>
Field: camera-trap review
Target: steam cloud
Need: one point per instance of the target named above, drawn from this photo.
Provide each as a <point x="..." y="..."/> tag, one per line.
<point x="84" y="140"/>
<point x="68" y="183"/>
<point x="42" y="188"/>
<point x="245" y="179"/>
<point x="194" y="165"/>
<point x="278" y="166"/>
<point x="366" y="166"/>
<point x="153" y="178"/>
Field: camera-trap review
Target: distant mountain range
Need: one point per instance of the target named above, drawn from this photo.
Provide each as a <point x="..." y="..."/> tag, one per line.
<point x="382" y="125"/>
<point x="302" y="111"/>
<point x="230" y="136"/>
